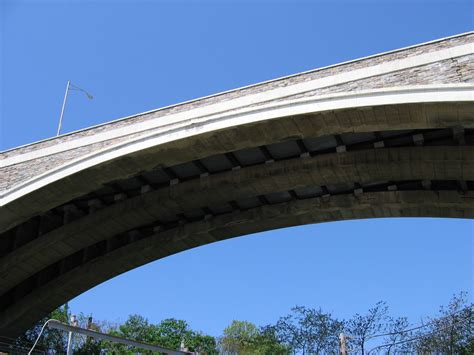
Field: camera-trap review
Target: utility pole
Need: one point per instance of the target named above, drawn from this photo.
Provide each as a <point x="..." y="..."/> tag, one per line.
<point x="342" y="344"/>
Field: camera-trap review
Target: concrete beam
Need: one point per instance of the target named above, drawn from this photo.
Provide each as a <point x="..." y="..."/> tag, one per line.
<point x="368" y="205"/>
<point x="391" y="164"/>
<point x="89" y="175"/>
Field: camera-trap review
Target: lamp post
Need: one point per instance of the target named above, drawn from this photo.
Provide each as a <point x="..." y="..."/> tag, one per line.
<point x="69" y="86"/>
<point x="70" y="335"/>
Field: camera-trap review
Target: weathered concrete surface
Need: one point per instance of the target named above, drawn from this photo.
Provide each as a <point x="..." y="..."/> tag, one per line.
<point x="467" y="38"/>
<point x="385" y="136"/>
<point x="365" y="119"/>
<point x="398" y="69"/>
<point x="370" y="205"/>
<point x="391" y="164"/>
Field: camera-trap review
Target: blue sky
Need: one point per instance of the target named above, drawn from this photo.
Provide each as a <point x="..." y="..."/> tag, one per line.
<point x="135" y="56"/>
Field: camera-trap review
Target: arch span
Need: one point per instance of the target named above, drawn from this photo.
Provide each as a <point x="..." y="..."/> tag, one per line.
<point x="386" y="136"/>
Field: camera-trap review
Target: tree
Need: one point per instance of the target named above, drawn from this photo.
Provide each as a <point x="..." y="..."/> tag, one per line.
<point x="362" y="327"/>
<point x="84" y="345"/>
<point x="310" y="331"/>
<point x="204" y="344"/>
<point x="136" y="328"/>
<point x="169" y="333"/>
<point x="304" y="330"/>
<point x="267" y="343"/>
<point x="242" y="338"/>
<point x="51" y="339"/>
<point x="397" y="329"/>
<point x="452" y="332"/>
<point x="238" y="338"/>
<point x="467" y="349"/>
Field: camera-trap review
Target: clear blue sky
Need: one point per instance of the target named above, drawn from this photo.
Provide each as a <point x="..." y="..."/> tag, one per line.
<point x="140" y="55"/>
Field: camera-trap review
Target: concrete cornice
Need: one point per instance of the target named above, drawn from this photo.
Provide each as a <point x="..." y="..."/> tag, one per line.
<point x="250" y="99"/>
<point x="192" y="127"/>
<point x="252" y="86"/>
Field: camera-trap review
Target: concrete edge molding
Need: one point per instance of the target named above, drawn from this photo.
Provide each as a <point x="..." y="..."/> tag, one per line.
<point x="361" y="59"/>
<point x="273" y="94"/>
<point x="196" y="126"/>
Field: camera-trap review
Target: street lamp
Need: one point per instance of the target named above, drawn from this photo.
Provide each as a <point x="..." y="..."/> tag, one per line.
<point x="70" y="86"/>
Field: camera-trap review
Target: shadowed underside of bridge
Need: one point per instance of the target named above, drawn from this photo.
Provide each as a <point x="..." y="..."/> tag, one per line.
<point x="385" y="136"/>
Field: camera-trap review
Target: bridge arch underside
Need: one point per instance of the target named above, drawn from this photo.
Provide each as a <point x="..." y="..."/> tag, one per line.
<point x="411" y="160"/>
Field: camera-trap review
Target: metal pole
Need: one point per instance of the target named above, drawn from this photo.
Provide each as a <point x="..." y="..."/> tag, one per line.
<point x="70" y="335"/>
<point x="62" y="109"/>
<point x="69" y="344"/>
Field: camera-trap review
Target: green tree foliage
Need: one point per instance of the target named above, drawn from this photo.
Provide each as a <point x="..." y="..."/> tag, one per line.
<point x="169" y="333"/>
<point x="84" y="345"/>
<point x="238" y="338"/>
<point x="52" y="340"/>
<point x="245" y="338"/>
<point x="204" y="344"/>
<point x="452" y="332"/>
<point x="303" y="331"/>
<point x="267" y="343"/>
<point x="136" y="327"/>
<point x="468" y="349"/>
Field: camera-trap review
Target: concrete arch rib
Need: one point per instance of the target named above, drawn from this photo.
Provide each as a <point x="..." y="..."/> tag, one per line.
<point x="315" y="210"/>
<point x="194" y="139"/>
<point x="389" y="164"/>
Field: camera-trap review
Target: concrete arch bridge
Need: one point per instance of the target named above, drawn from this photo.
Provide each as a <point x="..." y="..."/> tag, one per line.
<point x="384" y="136"/>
